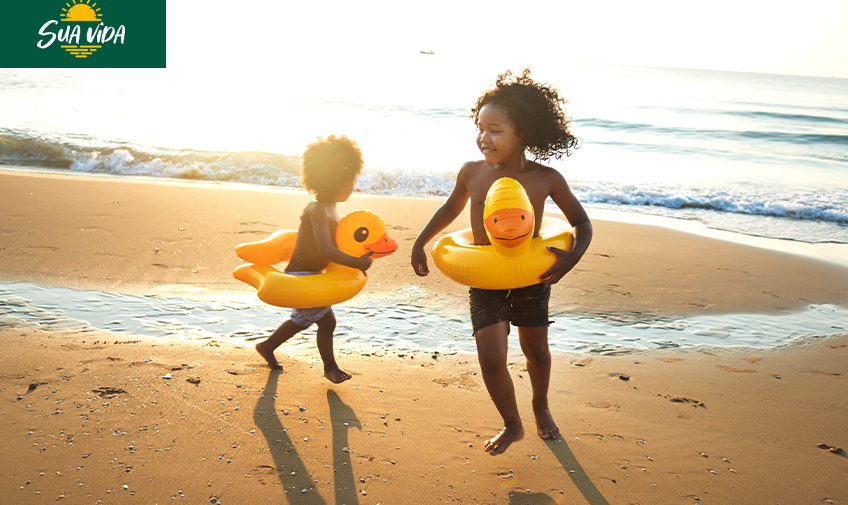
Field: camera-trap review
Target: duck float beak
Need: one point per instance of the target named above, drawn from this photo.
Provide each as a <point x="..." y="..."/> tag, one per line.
<point x="362" y="231"/>
<point x="384" y="246"/>
<point x="509" y="227"/>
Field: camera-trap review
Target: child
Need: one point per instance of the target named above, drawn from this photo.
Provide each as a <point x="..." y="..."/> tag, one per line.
<point x="517" y="115"/>
<point x="329" y="171"/>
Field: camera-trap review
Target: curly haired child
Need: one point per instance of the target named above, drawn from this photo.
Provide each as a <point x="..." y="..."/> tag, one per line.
<point x="518" y="115"/>
<point x="329" y="170"/>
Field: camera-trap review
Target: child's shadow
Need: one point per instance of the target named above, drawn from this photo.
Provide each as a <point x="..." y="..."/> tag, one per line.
<point x="288" y="465"/>
<point x="575" y="471"/>
<point x="342" y="419"/>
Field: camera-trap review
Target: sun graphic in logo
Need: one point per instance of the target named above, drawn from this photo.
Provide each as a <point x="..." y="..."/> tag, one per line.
<point x="80" y="12"/>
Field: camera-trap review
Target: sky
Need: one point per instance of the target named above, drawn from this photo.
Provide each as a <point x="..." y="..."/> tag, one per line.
<point x="806" y="38"/>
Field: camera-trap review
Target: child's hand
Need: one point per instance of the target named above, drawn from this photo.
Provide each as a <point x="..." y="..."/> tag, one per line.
<point x="564" y="263"/>
<point x="419" y="262"/>
<point x="366" y="261"/>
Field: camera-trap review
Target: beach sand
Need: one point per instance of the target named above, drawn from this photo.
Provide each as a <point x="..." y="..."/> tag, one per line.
<point x="90" y="417"/>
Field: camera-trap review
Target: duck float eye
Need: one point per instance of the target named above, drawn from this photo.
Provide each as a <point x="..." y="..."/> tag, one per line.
<point x="360" y="234"/>
<point x="336" y="284"/>
<point x="514" y="259"/>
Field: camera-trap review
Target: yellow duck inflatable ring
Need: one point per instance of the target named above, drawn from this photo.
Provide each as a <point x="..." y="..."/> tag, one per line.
<point x="514" y="259"/>
<point x="358" y="232"/>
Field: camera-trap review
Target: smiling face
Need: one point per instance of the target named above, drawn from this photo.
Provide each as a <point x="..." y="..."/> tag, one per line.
<point x="496" y="137"/>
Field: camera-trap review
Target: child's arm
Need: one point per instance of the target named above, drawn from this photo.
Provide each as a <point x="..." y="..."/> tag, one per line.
<point x="444" y="216"/>
<point x="582" y="228"/>
<point x="320" y="220"/>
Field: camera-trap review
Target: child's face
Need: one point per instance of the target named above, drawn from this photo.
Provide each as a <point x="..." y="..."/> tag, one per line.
<point x="346" y="192"/>
<point x="496" y="137"/>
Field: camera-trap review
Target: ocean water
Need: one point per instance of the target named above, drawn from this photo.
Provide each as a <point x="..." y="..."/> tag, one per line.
<point x="757" y="154"/>
<point x="388" y="327"/>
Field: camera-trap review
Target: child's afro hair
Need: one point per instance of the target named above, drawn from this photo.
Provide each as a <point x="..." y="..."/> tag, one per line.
<point x="330" y="165"/>
<point x="536" y="112"/>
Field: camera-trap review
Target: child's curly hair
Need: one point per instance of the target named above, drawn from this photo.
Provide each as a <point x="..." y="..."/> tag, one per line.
<point x="536" y="112"/>
<point x="330" y="165"/>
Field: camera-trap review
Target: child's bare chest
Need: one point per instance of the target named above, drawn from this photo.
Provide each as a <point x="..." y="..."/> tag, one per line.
<point x="533" y="183"/>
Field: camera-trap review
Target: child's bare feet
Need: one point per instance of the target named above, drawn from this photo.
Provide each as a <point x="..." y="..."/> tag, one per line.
<point x="269" y="356"/>
<point x="336" y="375"/>
<point x="499" y="443"/>
<point x="545" y="425"/>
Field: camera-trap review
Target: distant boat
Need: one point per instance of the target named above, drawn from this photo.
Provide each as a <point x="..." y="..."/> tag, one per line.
<point x="426" y="52"/>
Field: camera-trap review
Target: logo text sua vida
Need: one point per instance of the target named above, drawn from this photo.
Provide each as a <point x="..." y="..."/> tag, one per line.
<point x="99" y="34"/>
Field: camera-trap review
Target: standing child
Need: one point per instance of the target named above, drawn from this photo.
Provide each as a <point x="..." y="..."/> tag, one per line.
<point x="329" y="171"/>
<point x="517" y="115"/>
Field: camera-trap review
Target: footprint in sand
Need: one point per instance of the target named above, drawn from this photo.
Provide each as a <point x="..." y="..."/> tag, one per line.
<point x="671" y="360"/>
<point x="829" y="374"/>
<point x="736" y="370"/>
<point x="831" y="448"/>
<point x="167" y="267"/>
<point x="464" y="381"/>
<point x="602" y="405"/>
<point x="584" y="362"/>
<point x="691" y="401"/>
<point x="107" y="392"/>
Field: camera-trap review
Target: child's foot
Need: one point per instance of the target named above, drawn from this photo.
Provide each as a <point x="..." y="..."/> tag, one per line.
<point x="269" y="356"/>
<point x="499" y="443"/>
<point x="336" y="375"/>
<point x="545" y="425"/>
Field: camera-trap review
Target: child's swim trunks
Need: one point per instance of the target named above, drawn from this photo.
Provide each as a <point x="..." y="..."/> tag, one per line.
<point x="523" y="307"/>
<point x="305" y="317"/>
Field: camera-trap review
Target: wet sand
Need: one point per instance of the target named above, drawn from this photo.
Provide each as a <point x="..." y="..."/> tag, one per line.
<point x="86" y="414"/>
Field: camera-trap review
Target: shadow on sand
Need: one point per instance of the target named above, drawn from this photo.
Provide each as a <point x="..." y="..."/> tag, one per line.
<point x="570" y="464"/>
<point x="288" y="464"/>
<point x="341" y="414"/>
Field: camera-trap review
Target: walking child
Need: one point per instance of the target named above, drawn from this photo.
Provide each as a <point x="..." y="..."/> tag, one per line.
<point x="516" y="116"/>
<point x="329" y="171"/>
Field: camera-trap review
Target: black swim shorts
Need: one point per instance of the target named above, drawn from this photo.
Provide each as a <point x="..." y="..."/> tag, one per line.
<point x="523" y="307"/>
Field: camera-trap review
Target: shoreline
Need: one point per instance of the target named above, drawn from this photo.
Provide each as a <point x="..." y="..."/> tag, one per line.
<point x="130" y="236"/>
<point x="836" y="253"/>
<point x="414" y="327"/>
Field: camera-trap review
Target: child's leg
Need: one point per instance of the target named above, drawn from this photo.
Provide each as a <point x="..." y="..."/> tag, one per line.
<point x="534" y="344"/>
<point x="266" y="348"/>
<point x="326" y="327"/>
<point x="492" y="354"/>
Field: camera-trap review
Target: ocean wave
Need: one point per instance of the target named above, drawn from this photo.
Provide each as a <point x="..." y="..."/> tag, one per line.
<point x="269" y="169"/>
<point x="832" y="206"/>
<point x="114" y="158"/>
<point x="816" y="145"/>
<point x="714" y="133"/>
<point x="793" y="118"/>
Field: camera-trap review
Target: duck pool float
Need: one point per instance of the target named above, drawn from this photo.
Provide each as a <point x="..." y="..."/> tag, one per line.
<point x="514" y="259"/>
<point x="358" y="232"/>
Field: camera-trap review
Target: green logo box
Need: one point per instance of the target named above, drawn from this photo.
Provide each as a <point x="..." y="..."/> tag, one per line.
<point x="83" y="34"/>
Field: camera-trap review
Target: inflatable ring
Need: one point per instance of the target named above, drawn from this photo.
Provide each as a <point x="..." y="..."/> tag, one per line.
<point x="514" y="259"/>
<point x="358" y="232"/>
